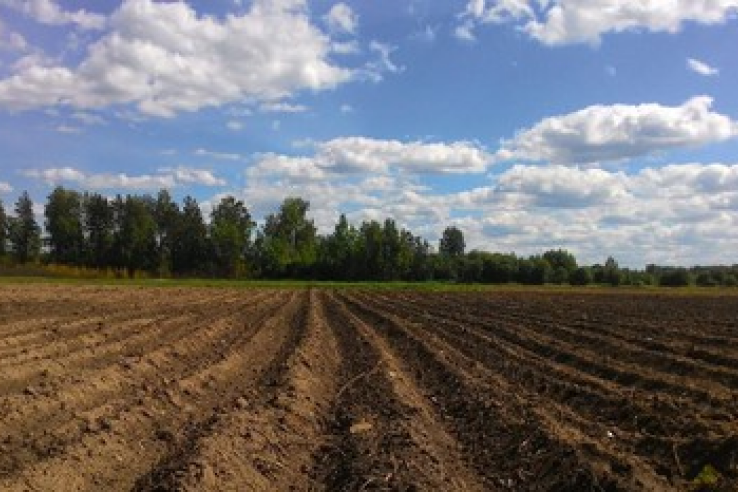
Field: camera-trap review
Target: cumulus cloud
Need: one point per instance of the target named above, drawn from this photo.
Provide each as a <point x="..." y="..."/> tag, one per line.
<point x="366" y="155"/>
<point x="611" y="133"/>
<point x="701" y="68"/>
<point x="340" y="18"/>
<point x="563" y="187"/>
<point x="165" y="178"/>
<point x="164" y="58"/>
<point x="48" y="12"/>
<point x="560" y="22"/>
<point x="679" y="213"/>
<point x="5" y="187"/>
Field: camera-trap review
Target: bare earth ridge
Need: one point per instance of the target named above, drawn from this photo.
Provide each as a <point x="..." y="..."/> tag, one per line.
<point x="164" y="389"/>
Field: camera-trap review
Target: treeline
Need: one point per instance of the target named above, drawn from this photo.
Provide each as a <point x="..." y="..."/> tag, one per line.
<point x="145" y="235"/>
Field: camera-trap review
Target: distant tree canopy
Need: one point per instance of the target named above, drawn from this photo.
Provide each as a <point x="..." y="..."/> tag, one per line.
<point x="156" y="236"/>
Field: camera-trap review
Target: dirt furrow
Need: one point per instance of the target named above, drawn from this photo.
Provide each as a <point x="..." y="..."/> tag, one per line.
<point x="190" y="463"/>
<point x="180" y="379"/>
<point x="264" y="440"/>
<point x="62" y="392"/>
<point x="58" y="340"/>
<point x="513" y="442"/>
<point x="387" y="434"/>
<point x="672" y="357"/>
<point x="590" y="360"/>
<point x="110" y="345"/>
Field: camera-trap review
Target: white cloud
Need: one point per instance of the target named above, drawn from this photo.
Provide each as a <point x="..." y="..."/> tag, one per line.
<point x="346" y="108"/>
<point x="189" y="175"/>
<point x="465" y="31"/>
<point x="701" y="68"/>
<point x="345" y="47"/>
<point x="611" y="133"/>
<point x="165" y="178"/>
<point x="559" y="22"/>
<point x="366" y="155"/>
<point x="680" y="213"/>
<point x="5" y="187"/>
<point x="223" y="156"/>
<point x="11" y="40"/>
<point x="375" y="70"/>
<point x="340" y="18"/>
<point x="48" y="12"/>
<point x="563" y="187"/>
<point x="282" y="107"/>
<point x="235" y="125"/>
<point x="88" y="118"/>
<point x="164" y="58"/>
<point x="70" y="130"/>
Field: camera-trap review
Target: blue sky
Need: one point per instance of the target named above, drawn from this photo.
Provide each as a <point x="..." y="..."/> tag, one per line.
<point x="607" y="127"/>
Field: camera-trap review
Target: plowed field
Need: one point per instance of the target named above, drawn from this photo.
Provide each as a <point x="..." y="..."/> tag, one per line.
<point x="159" y="389"/>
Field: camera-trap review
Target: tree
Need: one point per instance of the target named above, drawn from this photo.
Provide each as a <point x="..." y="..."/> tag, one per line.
<point x="287" y="244"/>
<point x="338" y="251"/>
<point x="675" y="277"/>
<point x="369" y="250"/>
<point x="98" y="229"/>
<point x="24" y="231"/>
<point x="137" y="238"/>
<point x="3" y="230"/>
<point x="63" y="212"/>
<point x="421" y="267"/>
<point x="581" y="276"/>
<point x="611" y="273"/>
<point x="189" y="253"/>
<point x="500" y="268"/>
<point x="452" y="242"/>
<point x="535" y="270"/>
<point x="230" y="236"/>
<point x="560" y="258"/>
<point x="166" y="215"/>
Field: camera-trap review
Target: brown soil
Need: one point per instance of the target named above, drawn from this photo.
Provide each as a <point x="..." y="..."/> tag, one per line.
<point x="157" y="389"/>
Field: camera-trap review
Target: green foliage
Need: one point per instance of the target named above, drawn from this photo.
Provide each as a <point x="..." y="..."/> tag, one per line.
<point x="287" y="245"/>
<point x="230" y="236"/>
<point x="63" y="212"/>
<point x="452" y="242"/>
<point x="675" y="277"/>
<point x="561" y="259"/>
<point x="337" y="252"/>
<point x="708" y="479"/>
<point x="24" y="232"/>
<point x="581" y="276"/>
<point x="167" y="216"/>
<point x="534" y="271"/>
<point x="98" y="229"/>
<point x="89" y="235"/>
<point x="190" y="240"/>
<point x="611" y="273"/>
<point x="3" y="230"/>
